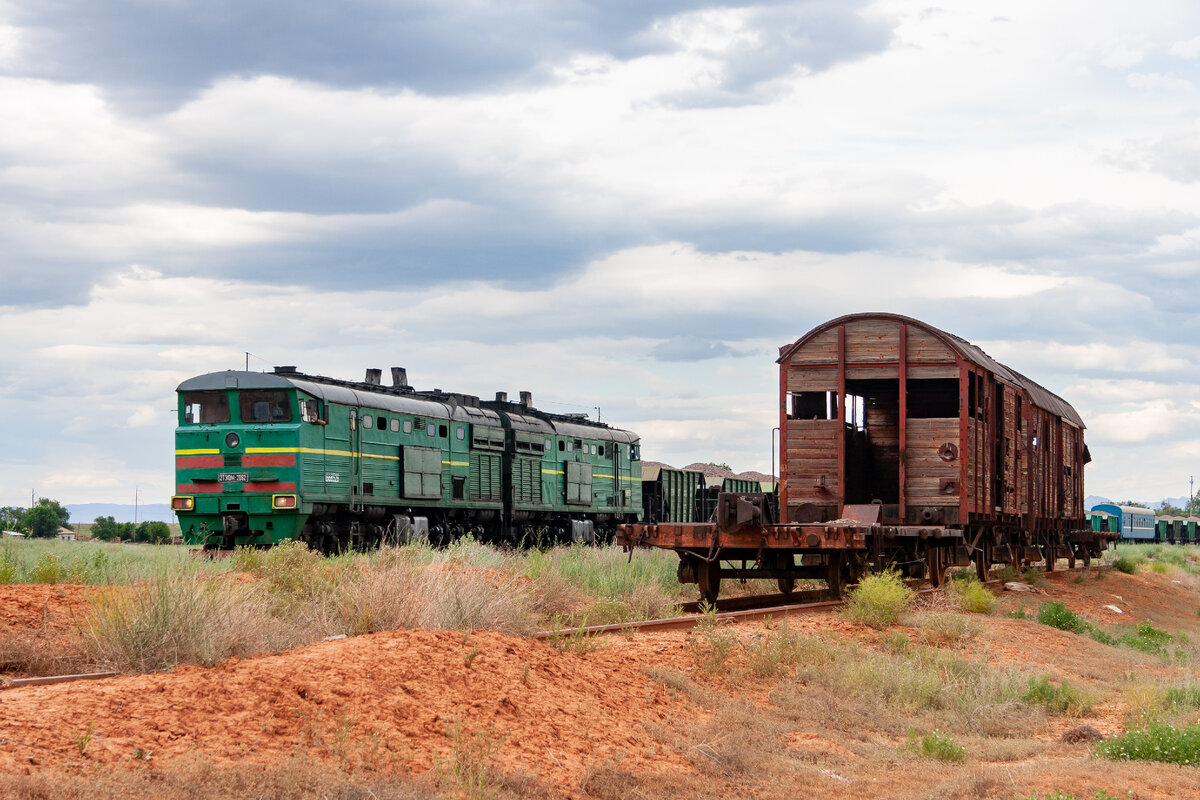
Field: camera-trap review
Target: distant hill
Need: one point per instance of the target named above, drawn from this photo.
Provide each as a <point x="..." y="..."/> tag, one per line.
<point x="153" y="512"/>
<point x="1179" y="502"/>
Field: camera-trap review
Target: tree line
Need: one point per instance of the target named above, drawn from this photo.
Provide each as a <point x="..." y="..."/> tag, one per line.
<point x="41" y="521"/>
<point x="45" y="519"/>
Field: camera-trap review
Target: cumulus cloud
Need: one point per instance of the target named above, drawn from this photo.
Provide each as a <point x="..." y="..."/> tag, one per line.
<point x="621" y="205"/>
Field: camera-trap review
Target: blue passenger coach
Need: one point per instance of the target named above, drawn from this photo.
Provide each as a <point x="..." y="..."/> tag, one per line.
<point x="1137" y="524"/>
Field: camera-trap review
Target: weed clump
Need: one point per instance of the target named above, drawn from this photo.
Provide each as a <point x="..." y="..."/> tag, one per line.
<point x="878" y="600"/>
<point x="8" y="568"/>
<point x="971" y="595"/>
<point x="1155" y="742"/>
<point x="711" y="646"/>
<point x="1128" y="563"/>
<point x="935" y="745"/>
<point x="1057" y="615"/>
<point x="1062" y="699"/>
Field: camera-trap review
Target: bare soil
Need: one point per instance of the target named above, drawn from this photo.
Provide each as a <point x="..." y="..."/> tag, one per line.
<point x="416" y="713"/>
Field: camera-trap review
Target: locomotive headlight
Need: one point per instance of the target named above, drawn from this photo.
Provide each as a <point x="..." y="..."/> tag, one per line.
<point x="179" y="503"/>
<point x="283" y="501"/>
<point x="232" y="440"/>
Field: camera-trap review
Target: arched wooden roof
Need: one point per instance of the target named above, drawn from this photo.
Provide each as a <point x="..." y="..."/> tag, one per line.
<point x="1040" y="396"/>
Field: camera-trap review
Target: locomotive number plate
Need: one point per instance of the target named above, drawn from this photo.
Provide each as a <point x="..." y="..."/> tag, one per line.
<point x="233" y="477"/>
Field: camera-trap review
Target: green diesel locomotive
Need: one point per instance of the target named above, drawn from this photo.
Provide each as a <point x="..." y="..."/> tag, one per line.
<point x="265" y="457"/>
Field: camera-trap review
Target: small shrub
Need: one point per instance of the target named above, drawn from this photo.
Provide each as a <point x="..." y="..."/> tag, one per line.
<point x="935" y="745"/>
<point x="1034" y="576"/>
<point x="1062" y="699"/>
<point x="1008" y="573"/>
<point x="878" y="600"/>
<point x="1146" y="638"/>
<point x="711" y="645"/>
<point x="48" y="569"/>
<point x="1155" y="742"/>
<point x="469" y="767"/>
<point x="945" y="625"/>
<point x="768" y="656"/>
<point x="971" y="595"/>
<point x="1057" y="615"/>
<point x="1127" y="564"/>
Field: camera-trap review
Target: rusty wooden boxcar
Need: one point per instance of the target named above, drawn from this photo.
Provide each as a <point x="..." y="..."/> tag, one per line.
<point x="901" y="445"/>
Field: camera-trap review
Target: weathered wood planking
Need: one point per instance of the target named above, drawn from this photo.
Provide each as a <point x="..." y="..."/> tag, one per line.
<point x="997" y="473"/>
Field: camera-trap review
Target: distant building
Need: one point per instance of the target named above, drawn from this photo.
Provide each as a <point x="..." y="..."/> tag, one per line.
<point x="13" y="535"/>
<point x="65" y="535"/>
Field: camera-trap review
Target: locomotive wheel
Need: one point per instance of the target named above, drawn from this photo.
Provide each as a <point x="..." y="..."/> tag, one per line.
<point x="708" y="578"/>
<point x="936" y="561"/>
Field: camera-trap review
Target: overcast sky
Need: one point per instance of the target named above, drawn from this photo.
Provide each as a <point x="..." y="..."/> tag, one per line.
<point x="624" y="205"/>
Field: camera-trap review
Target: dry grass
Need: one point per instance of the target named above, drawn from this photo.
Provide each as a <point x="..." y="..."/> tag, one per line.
<point x="403" y="595"/>
<point x="198" y="778"/>
<point x="43" y="654"/>
<point x="180" y="618"/>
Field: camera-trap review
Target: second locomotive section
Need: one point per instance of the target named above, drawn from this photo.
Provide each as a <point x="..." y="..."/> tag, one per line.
<point x="903" y="446"/>
<point x="265" y="457"/>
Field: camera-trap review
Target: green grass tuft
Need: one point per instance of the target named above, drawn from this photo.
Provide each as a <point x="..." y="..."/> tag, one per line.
<point x="878" y="600"/>
<point x="1062" y="699"/>
<point x="1057" y="615"/>
<point x="971" y="595"/>
<point x="935" y="745"/>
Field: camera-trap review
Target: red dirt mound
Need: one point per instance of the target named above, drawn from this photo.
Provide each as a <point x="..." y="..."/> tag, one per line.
<point x="26" y="607"/>
<point x="393" y="697"/>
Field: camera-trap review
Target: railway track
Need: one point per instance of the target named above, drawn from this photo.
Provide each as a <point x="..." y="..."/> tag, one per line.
<point x="689" y="621"/>
<point x="743" y="609"/>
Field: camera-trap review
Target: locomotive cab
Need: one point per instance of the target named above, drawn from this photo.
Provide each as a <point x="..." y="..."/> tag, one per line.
<point x="237" y="441"/>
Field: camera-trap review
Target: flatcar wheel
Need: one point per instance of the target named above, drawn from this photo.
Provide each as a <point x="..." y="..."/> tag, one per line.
<point x="833" y="574"/>
<point x="936" y="559"/>
<point x="708" y="578"/>
<point x="983" y="561"/>
<point x="786" y="585"/>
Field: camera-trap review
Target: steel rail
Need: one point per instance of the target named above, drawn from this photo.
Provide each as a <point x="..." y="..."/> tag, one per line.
<point x="691" y="620"/>
<point x="49" y="679"/>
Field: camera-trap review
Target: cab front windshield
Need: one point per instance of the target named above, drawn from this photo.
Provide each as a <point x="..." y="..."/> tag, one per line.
<point x="205" y="408"/>
<point x="265" y="407"/>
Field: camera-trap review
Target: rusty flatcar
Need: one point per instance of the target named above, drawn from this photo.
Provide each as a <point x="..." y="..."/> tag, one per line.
<point x="901" y="445"/>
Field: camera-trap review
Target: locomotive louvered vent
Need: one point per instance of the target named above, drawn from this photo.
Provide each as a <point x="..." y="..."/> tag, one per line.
<point x="233" y="460"/>
<point x="418" y="423"/>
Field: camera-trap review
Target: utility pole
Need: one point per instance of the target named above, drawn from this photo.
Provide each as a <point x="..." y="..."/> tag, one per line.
<point x="1191" y="494"/>
<point x="135" y="504"/>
